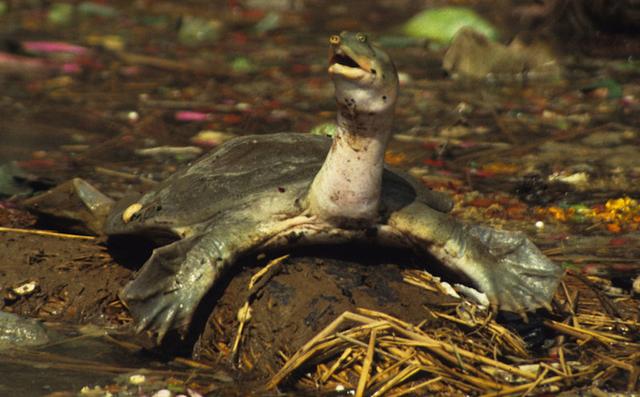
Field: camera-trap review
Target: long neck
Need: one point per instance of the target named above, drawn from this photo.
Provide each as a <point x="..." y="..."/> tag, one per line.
<point x="347" y="188"/>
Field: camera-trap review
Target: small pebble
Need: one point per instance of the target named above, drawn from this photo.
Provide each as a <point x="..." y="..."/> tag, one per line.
<point x="137" y="379"/>
<point x="162" y="393"/>
<point x="464" y="108"/>
<point x="404" y="78"/>
<point x="193" y="393"/>
<point x="243" y="106"/>
<point x="133" y="116"/>
<point x="111" y="41"/>
<point x="26" y="288"/>
<point x="210" y="138"/>
<point x="539" y="225"/>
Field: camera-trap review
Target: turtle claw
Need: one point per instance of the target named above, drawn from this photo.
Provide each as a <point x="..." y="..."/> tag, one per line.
<point x="169" y="287"/>
<point x="160" y="314"/>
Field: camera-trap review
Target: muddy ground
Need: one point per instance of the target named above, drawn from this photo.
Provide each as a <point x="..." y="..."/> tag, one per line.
<point x="78" y="282"/>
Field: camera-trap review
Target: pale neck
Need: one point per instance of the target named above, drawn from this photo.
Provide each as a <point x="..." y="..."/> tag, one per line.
<point x="347" y="188"/>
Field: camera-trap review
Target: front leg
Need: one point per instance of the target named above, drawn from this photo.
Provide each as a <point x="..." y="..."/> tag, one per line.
<point x="505" y="265"/>
<point x="173" y="281"/>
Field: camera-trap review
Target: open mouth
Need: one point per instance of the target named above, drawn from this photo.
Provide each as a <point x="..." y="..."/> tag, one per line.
<point x="343" y="60"/>
<point x="346" y="66"/>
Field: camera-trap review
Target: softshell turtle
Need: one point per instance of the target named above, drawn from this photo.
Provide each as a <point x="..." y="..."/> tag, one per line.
<point x="262" y="191"/>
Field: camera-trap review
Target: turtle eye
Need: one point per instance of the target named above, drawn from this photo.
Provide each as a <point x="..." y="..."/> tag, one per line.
<point x="361" y="37"/>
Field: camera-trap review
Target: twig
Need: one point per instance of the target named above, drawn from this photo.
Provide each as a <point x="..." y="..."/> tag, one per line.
<point x="417" y="387"/>
<point x="582" y="333"/>
<point x="125" y="175"/>
<point x="366" y="365"/>
<point x="604" y="301"/>
<point x="244" y="314"/>
<point x="325" y="377"/>
<point x="172" y="65"/>
<point x="46" y="233"/>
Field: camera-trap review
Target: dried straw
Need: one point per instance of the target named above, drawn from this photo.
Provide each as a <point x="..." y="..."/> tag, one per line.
<point x="467" y="351"/>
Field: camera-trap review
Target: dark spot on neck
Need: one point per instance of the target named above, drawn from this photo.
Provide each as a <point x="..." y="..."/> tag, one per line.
<point x="384" y="98"/>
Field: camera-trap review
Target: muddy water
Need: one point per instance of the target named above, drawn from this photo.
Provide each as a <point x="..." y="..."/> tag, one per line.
<point x="95" y="363"/>
<point x="70" y="363"/>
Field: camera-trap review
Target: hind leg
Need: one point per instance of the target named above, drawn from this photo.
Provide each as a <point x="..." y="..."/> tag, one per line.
<point x="505" y="265"/>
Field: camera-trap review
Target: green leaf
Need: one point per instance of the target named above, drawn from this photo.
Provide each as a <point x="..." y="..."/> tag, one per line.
<point x="441" y="24"/>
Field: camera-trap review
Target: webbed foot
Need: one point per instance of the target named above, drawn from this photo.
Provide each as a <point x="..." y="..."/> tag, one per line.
<point x="169" y="286"/>
<point x="522" y="278"/>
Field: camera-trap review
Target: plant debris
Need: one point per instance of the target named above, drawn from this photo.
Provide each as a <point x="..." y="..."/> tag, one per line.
<point x="464" y="350"/>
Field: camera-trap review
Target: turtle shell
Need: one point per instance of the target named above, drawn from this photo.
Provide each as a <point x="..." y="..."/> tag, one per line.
<point x="229" y="178"/>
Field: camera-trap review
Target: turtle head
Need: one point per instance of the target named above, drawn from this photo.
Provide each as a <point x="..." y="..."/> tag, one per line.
<point x="365" y="78"/>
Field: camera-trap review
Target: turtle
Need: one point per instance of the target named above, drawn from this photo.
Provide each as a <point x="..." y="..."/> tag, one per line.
<point x="257" y="192"/>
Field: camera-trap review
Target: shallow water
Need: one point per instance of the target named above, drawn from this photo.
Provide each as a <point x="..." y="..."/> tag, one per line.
<point x="88" y="358"/>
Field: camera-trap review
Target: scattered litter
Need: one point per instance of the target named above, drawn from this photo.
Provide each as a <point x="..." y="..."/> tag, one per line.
<point x="133" y="116"/>
<point x="242" y="65"/>
<point x="137" y="379"/>
<point x="188" y="115"/>
<point x="60" y="13"/>
<point x="17" y="64"/>
<point x="615" y="215"/>
<point x="605" y="88"/>
<point x="110" y="41"/>
<point x="442" y="24"/>
<point x="180" y="152"/>
<point x="196" y="31"/>
<point x="209" y="138"/>
<point x="269" y="22"/>
<point x="578" y="179"/>
<point x="47" y="47"/>
<point x="94" y="9"/>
